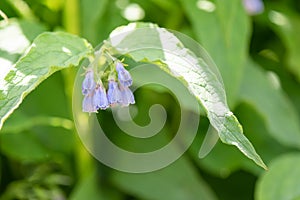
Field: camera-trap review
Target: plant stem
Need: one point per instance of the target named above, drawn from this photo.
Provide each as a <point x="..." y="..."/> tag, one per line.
<point x="71" y="21"/>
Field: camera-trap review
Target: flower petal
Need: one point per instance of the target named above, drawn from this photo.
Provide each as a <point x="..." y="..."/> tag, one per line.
<point x="88" y="104"/>
<point x="113" y="93"/>
<point x="124" y="76"/>
<point x="88" y="83"/>
<point x="127" y="96"/>
<point x="100" y="98"/>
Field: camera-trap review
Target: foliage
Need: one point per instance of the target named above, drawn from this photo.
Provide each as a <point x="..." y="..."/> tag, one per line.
<point x="40" y="155"/>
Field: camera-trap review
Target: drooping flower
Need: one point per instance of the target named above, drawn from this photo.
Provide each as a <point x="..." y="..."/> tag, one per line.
<point x="118" y="92"/>
<point x="124" y="76"/>
<point x="100" y="98"/>
<point x="113" y="93"/>
<point x="88" y="103"/>
<point x="254" y="7"/>
<point x="88" y="84"/>
<point x="127" y="96"/>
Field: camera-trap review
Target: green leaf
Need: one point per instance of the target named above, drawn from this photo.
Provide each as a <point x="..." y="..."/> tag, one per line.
<point x="223" y="160"/>
<point x="23" y="147"/>
<point x="49" y="53"/>
<point x="178" y="181"/>
<point x="279" y="114"/>
<point x="286" y="23"/>
<point x="222" y="27"/>
<point x="50" y="122"/>
<point x="89" y="188"/>
<point x="282" y="181"/>
<point x="0" y="169"/>
<point x="18" y="36"/>
<point x="197" y="73"/>
<point x="24" y="123"/>
<point x="90" y="20"/>
<point x="97" y="25"/>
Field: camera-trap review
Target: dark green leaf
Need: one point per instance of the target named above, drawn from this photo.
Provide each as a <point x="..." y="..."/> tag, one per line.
<point x="279" y="114"/>
<point x="178" y="181"/>
<point x="286" y="23"/>
<point x="90" y="188"/>
<point x="23" y="147"/>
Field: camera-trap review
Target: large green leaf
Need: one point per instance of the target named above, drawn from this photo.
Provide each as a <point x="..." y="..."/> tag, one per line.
<point x="282" y="181"/>
<point x="198" y="74"/>
<point x="49" y="53"/>
<point x="179" y="181"/>
<point x="222" y="27"/>
<point x="279" y="114"/>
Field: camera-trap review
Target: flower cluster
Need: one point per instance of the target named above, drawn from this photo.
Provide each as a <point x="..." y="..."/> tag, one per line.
<point x="118" y="93"/>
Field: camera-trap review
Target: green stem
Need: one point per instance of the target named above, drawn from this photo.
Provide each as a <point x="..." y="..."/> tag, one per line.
<point x="23" y="9"/>
<point x="71" y="21"/>
<point x="71" y="17"/>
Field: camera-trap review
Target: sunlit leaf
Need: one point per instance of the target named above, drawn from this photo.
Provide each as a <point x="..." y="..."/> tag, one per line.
<point x="197" y="73"/>
<point x="49" y="53"/>
<point x="18" y="37"/>
<point x="222" y="27"/>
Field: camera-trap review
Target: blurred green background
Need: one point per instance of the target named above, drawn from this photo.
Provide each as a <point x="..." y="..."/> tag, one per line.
<point x="41" y="156"/>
